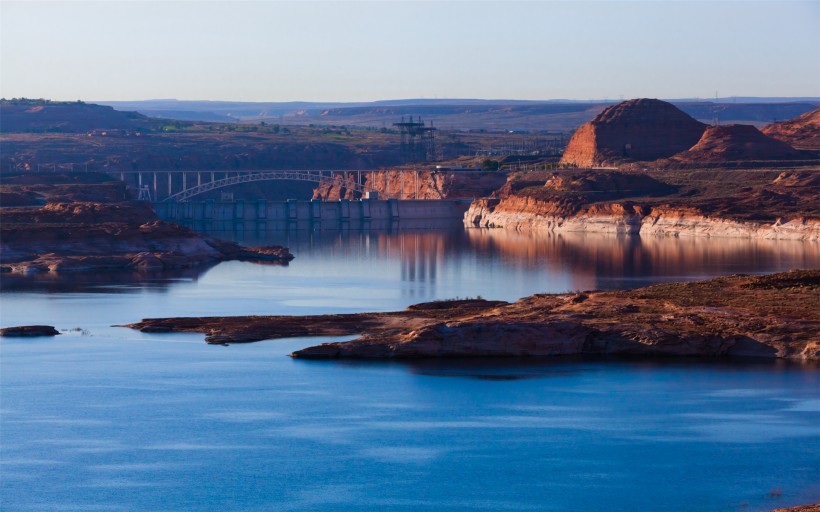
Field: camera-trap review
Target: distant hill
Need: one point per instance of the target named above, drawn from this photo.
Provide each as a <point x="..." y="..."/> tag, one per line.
<point x="801" y="132"/>
<point x="748" y="113"/>
<point x="44" y="116"/>
<point x="459" y="113"/>
<point x="736" y="142"/>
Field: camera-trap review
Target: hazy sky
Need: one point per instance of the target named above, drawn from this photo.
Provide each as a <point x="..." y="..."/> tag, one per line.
<point x="359" y="51"/>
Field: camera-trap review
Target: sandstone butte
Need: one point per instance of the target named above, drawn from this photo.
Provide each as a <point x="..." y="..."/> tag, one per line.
<point x="736" y="142"/>
<point x="772" y="316"/>
<point x="90" y="226"/>
<point x="634" y="130"/>
<point x="802" y="132"/>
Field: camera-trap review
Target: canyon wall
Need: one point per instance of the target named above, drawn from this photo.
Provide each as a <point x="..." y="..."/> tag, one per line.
<point x="409" y="184"/>
<point x="631" y="218"/>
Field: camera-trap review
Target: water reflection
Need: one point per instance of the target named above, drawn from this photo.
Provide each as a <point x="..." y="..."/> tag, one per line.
<point x="106" y="281"/>
<point x="353" y="266"/>
<point x="571" y="260"/>
<point x="501" y="369"/>
<point x="599" y="261"/>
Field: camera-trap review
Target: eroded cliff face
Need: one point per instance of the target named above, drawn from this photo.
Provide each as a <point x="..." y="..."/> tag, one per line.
<point x="785" y="207"/>
<point x="402" y="184"/>
<point x="632" y="219"/>
<point x="634" y="130"/>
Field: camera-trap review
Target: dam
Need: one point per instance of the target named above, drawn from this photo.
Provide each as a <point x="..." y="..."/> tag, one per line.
<point x="307" y="213"/>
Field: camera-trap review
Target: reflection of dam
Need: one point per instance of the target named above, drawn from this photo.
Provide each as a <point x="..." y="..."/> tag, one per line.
<point x="325" y="212"/>
<point x="444" y="260"/>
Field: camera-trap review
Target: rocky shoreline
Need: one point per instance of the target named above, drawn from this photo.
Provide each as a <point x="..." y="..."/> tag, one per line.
<point x="632" y="219"/>
<point x="85" y="222"/>
<point x="761" y="204"/>
<point x="773" y="316"/>
<point x="84" y="236"/>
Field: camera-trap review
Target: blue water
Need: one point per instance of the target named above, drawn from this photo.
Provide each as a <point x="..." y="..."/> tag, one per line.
<point x="105" y="418"/>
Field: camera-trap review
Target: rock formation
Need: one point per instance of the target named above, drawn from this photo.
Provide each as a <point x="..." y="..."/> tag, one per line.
<point x="747" y="204"/>
<point x="429" y="184"/>
<point x="28" y="331"/>
<point x="774" y="316"/>
<point x="802" y="132"/>
<point x="736" y="142"/>
<point x="634" y="130"/>
<point x="108" y="233"/>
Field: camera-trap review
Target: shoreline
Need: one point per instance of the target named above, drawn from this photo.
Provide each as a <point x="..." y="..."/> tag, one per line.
<point x="511" y="214"/>
<point x="771" y="316"/>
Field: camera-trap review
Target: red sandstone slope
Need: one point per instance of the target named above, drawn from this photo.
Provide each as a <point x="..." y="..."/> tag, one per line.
<point x="802" y="132"/>
<point x="634" y="130"/>
<point x="736" y="142"/>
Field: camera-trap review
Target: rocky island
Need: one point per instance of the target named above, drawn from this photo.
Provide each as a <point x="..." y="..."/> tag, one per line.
<point x="771" y="316"/>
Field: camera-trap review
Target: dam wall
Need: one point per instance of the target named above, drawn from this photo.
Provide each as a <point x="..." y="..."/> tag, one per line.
<point x="303" y="212"/>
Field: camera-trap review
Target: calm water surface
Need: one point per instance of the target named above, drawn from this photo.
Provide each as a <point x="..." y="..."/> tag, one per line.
<point x="105" y="418"/>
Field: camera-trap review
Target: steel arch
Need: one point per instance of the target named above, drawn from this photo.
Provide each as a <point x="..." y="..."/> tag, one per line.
<point x="250" y="177"/>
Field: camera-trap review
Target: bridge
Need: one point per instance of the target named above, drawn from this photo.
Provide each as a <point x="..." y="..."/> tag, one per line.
<point x="184" y="185"/>
<point x="253" y="176"/>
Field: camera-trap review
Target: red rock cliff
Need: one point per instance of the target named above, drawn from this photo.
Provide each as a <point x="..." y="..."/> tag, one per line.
<point x="405" y="185"/>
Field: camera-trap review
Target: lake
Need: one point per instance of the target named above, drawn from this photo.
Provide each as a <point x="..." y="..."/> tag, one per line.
<point x="105" y="418"/>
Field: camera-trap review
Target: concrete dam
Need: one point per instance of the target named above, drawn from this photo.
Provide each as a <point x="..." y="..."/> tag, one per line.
<point x="304" y="213"/>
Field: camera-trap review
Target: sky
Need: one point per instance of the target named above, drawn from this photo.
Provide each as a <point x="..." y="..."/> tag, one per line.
<point x="364" y="51"/>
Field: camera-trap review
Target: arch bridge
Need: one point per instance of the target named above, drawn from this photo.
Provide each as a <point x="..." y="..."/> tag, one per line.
<point x="183" y="185"/>
<point x="341" y="177"/>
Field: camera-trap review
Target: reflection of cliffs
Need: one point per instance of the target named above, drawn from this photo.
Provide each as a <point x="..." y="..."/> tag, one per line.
<point x="599" y="261"/>
<point x="116" y="281"/>
<point x="457" y="259"/>
<point x="409" y="184"/>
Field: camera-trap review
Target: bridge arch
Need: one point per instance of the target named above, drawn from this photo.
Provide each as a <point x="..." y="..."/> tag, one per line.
<point x="314" y="176"/>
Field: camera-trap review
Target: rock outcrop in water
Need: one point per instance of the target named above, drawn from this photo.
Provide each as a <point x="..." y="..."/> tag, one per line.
<point x="774" y="316"/>
<point x="634" y="130"/>
<point x="28" y="331"/>
<point x="802" y="132"/>
<point x="104" y="233"/>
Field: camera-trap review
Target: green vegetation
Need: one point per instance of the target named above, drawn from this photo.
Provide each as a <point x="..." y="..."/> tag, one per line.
<point x="490" y="165"/>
